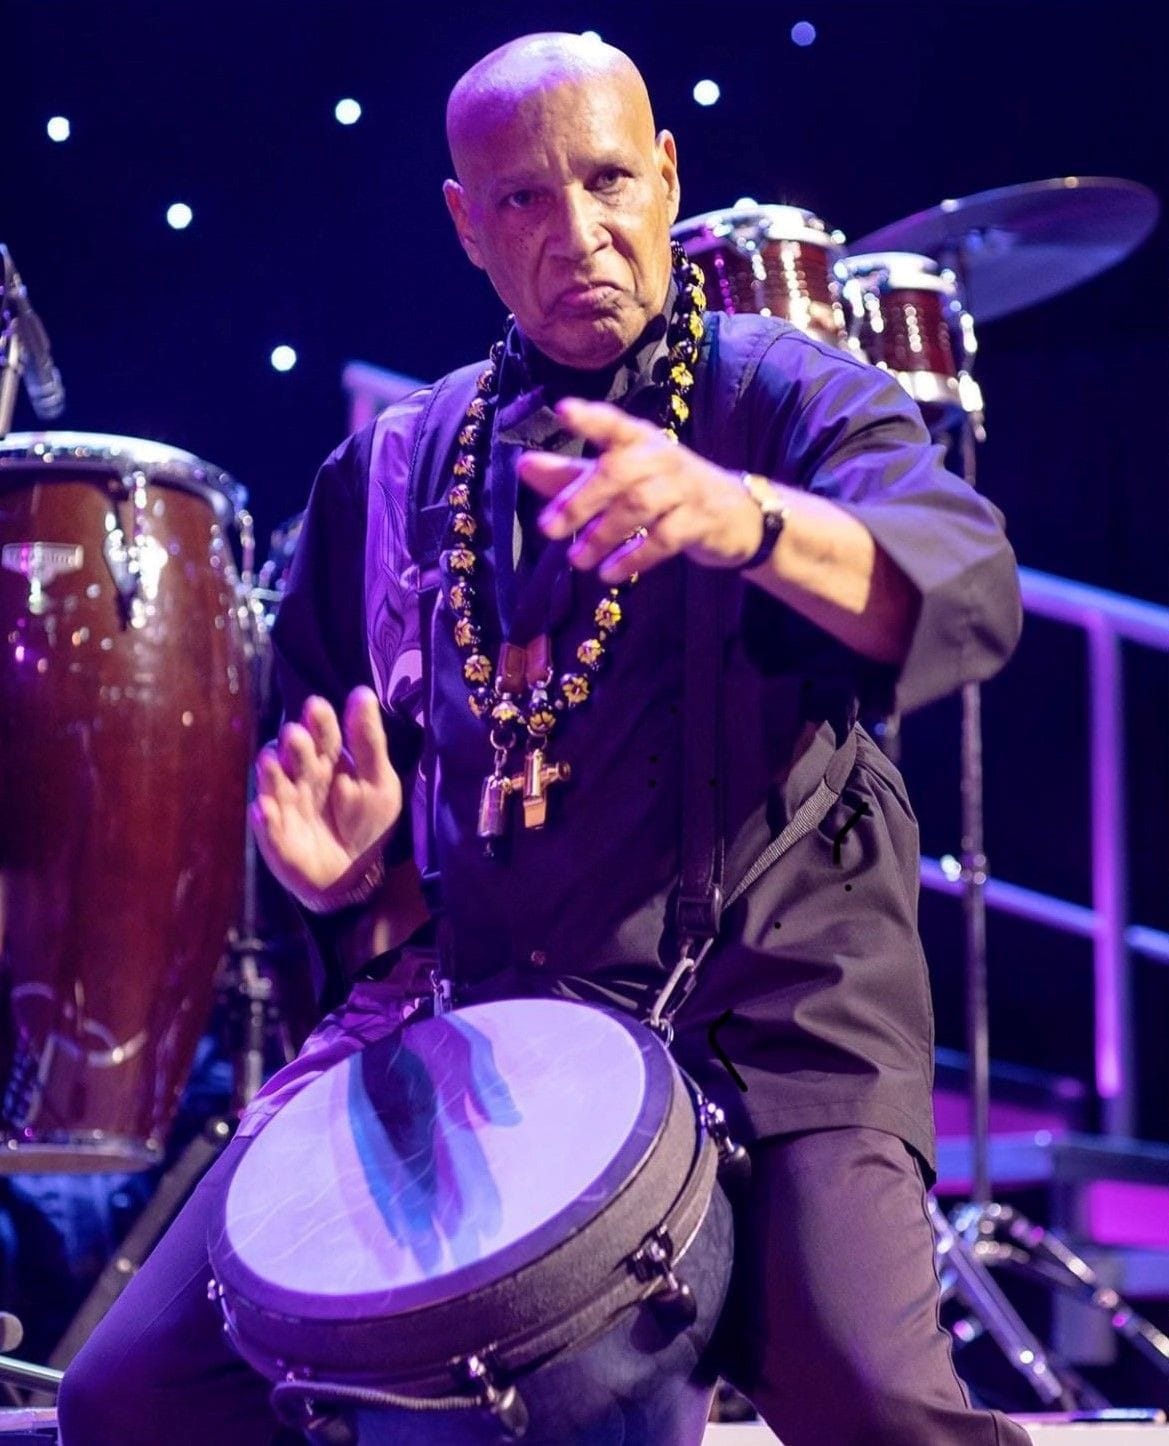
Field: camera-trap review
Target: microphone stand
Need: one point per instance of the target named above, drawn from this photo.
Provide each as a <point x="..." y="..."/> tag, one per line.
<point x="11" y="357"/>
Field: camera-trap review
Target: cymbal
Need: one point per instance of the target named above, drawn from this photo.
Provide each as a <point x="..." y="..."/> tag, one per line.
<point x="1017" y="245"/>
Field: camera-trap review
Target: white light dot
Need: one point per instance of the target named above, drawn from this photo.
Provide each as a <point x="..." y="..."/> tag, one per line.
<point x="593" y="35"/>
<point x="58" y="128"/>
<point x="803" y="33"/>
<point x="706" y="92"/>
<point x="179" y="216"/>
<point x="283" y="358"/>
<point x="347" y="111"/>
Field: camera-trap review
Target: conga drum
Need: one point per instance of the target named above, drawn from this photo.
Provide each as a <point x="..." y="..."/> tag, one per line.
<point x="772" y="261"/>
<point x="496" y="1223"/>
<point x="907" y="318"/>
<point x="125" y="742"/>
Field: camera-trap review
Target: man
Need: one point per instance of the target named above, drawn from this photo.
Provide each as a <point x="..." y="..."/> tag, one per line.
<point x="847" y="567"/>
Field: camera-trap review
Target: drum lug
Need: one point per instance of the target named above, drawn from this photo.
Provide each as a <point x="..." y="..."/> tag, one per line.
<point x="505" y="1404"/>
<point x="734" y="1163"/>
<point x="673" y="1301"/>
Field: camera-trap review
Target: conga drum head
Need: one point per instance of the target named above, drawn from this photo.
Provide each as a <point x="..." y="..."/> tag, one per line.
<point x="772" y="261"/>
<point x="476" y="1186"/>
<point x="907" y="318"/>
<point x="125" y="738"/>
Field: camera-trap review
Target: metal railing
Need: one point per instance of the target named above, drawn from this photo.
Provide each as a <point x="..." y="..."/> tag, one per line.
<point x="1108" y="619"/>
<point x="371" y="388"/>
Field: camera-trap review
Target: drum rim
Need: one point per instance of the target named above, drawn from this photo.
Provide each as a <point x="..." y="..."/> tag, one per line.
<point x="662" y="1080"/>
<point x="930" y="276"/>
<point x="724" y="224"/>
<point x="106" y="451"/>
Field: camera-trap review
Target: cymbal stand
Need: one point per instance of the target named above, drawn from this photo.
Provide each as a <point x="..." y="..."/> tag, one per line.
<point x="981" y="1232"/>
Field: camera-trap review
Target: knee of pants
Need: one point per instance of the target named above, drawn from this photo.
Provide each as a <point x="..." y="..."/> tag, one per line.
<point x="95" y="1405"/>
<point x="871" y="1413"/>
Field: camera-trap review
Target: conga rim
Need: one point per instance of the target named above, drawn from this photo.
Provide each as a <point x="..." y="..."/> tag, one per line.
<point x="105" y="452"/>
<point x="906" y="270"/>
<point x="777" y="222"/>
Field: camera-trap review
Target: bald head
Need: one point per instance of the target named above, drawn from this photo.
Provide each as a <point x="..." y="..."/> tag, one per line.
<point x="565" y="195"/>
<point x="518" y="73"/>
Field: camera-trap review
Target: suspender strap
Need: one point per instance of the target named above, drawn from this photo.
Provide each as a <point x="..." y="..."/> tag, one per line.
<point x="426" y="521"/>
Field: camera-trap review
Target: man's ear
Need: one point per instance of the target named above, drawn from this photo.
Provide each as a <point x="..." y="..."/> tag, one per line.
<point x="456" y="204"/>
<point x="666" y="150"/>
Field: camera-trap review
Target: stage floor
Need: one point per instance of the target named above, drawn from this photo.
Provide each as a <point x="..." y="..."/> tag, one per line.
<point x="1042" y="1433"/>
<point x="35" y="1426"/>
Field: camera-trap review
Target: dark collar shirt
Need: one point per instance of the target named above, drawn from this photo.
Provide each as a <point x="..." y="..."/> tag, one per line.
<point x="816" y="983"/>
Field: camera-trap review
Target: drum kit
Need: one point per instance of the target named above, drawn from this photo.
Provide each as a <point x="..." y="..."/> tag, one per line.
<point x="391" y="1253"/>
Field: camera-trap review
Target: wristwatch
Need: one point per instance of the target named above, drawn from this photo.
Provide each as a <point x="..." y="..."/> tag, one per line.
<point x="774" y="513"/>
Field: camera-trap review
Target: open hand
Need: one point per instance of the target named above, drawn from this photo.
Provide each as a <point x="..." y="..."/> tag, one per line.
<point x="326" y="798"/>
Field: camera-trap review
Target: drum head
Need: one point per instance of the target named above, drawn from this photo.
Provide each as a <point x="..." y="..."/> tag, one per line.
<point x="444" y="1157"/>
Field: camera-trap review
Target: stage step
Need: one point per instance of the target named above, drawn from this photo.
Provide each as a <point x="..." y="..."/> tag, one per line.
<point x="1101" y="1192"/>
<point x="1021" y="1098"/>
<point x="1043" y="1430"/>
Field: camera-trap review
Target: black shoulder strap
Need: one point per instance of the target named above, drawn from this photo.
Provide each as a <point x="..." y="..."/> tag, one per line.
<point x="700" y="888"/>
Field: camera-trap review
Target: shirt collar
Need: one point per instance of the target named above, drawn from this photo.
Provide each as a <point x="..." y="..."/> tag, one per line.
<point x="530" y="384"/>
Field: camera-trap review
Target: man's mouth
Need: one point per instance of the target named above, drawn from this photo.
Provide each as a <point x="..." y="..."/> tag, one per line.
<point x="586" y="296"/>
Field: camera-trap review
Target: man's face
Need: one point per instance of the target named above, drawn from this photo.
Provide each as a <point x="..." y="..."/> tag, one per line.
<point x="566" y="201"/>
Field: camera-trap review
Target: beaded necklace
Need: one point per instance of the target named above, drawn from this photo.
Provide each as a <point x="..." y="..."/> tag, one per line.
<point x="520" y="697"/>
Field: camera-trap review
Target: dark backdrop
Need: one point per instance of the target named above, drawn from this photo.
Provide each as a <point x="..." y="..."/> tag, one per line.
<point x="335" y="240"/>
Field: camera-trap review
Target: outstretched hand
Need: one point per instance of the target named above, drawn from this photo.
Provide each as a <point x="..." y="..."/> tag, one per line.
<point x="644" y="499"/>
<point x="327" y="796"/>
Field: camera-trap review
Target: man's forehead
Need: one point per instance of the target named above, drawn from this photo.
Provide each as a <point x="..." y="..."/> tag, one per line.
<point x="517" y="86"/>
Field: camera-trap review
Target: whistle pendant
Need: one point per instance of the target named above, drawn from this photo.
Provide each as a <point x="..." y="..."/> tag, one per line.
<point x="493" y="805"/>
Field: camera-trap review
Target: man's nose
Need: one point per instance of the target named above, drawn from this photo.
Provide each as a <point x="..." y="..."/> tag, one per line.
<point x="577" y="229"/>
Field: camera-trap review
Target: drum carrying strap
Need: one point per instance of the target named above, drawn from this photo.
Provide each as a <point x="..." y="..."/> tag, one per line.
<point x="700" y="903"/>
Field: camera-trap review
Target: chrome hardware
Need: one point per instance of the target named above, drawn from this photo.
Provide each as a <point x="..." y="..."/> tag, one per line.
<point x="40" y="563"/>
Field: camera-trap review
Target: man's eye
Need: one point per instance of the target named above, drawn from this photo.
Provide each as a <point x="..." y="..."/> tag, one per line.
<point x="607" y="180"/>
<point x="519" y="200"/>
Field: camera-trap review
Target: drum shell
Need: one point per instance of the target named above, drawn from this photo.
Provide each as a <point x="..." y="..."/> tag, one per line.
<point x="123" y="771"/>
<point x="906" y="319"/>
<point x="636" y="1381"/>
<point x="773" y="261"/>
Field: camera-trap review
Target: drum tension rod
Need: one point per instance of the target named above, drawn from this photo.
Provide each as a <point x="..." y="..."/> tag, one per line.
<point x="674" y="1300"/>
<point x="506" y="1405"/>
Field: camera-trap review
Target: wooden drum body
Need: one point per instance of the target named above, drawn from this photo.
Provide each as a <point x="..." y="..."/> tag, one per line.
<point x="907" y="318"/>
<point x="125" y="741"/>
<point x="771" y="261"/>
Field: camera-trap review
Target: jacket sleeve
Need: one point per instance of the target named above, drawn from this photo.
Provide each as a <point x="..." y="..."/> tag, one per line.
<point x="846" y="430"/>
